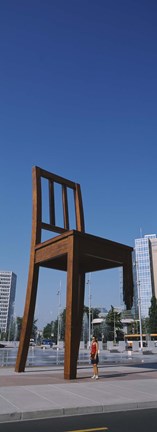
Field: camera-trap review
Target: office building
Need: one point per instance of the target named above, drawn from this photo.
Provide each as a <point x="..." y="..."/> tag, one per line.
<point x="154" y="263"/>
<point x="145" y="275"/>
<point x="7" y="299"/>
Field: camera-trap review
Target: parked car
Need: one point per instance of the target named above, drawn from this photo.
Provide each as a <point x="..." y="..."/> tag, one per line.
<point x="46" y="343"/>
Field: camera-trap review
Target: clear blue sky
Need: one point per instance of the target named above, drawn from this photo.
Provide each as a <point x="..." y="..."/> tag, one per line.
<point x="78" y="97"/>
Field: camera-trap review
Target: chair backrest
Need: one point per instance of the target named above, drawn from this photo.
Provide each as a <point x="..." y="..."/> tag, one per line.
<point x="38" y="224"/>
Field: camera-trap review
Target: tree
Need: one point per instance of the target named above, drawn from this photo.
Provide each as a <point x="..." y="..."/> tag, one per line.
<point x="145" y="325"/>
<point x="153" y="315"/>
<point x="62" y="324"/>
<point x="113" y="321"/>
<point x="50" y="331"/>
<point x="53" y="326"/>
<point x="34" y="329"/>
<point x="94" y="311"/>
<point x="19" y="326"/>
<point x="2" y="335"/>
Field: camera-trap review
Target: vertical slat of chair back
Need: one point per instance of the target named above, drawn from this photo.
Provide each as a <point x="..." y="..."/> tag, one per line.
<point x="65" y="184"/>
<point x="80" y="226"/>
<point x="37" y="206"/>
<point x="65" y="207"/>
<point x="51" y="203"/>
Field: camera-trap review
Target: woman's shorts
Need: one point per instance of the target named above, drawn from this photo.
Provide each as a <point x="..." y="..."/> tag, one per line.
<point x="95" y="360"/>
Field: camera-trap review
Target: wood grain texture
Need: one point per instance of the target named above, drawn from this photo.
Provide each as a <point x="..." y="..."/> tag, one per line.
<point x="71" y="250"/>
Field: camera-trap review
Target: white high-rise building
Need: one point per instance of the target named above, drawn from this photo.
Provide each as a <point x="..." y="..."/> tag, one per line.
<point x="7" y="299"/>
<point x="145" y="284"/>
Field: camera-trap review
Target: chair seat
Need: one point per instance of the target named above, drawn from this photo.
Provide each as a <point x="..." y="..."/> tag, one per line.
<point x="95" y="253"/>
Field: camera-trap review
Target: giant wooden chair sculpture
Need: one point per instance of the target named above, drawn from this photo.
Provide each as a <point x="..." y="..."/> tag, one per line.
<point x="73" y="251"/>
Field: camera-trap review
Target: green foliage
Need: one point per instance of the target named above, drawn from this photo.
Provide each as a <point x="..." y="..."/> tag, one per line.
<point x="94" y="312"/>
<point x="114" y="324"/>
<point x="52" y="328"/>
<point x="145" y="325"/>
<point x="19" y="326"/>
<point x="47" y="330"/>
<point x="2" y="336"/>
<point x="153" y="315"/>
<point x="34" y="329"/>
<point x="50" y="331"/>
<point x="62" y="324"/>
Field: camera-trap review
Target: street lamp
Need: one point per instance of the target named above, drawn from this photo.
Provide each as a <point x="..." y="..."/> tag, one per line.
<point x="139" y="304"/>
<point x="92" y="321"/>
<point x="139" y="312"/>
<point x="59" y="306"/>
<point x="89" y="305"/>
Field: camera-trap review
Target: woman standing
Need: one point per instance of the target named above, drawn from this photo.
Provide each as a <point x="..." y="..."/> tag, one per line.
<point x="94" y="357"/>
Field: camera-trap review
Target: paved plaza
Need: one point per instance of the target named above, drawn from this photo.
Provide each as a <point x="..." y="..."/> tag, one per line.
<point x="42" y="392"/>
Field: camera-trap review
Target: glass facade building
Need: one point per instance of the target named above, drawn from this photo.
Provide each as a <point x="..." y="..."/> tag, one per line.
<point x="145" y="262"/>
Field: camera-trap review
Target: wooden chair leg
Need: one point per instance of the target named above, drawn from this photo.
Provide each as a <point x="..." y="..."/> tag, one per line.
<point x="72" y="331"/>
<point x="27" y="321"/>
<point x="128" y="281"/>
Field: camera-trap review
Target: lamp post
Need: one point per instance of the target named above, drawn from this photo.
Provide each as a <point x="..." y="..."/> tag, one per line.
<point x="139" y="312"/>
<point x="89" y="305"/>
<point x="114" y="330"/>
<point x="139" y="304"/>
<point x="92" y="321"/>
<point x="59" y="306"/>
